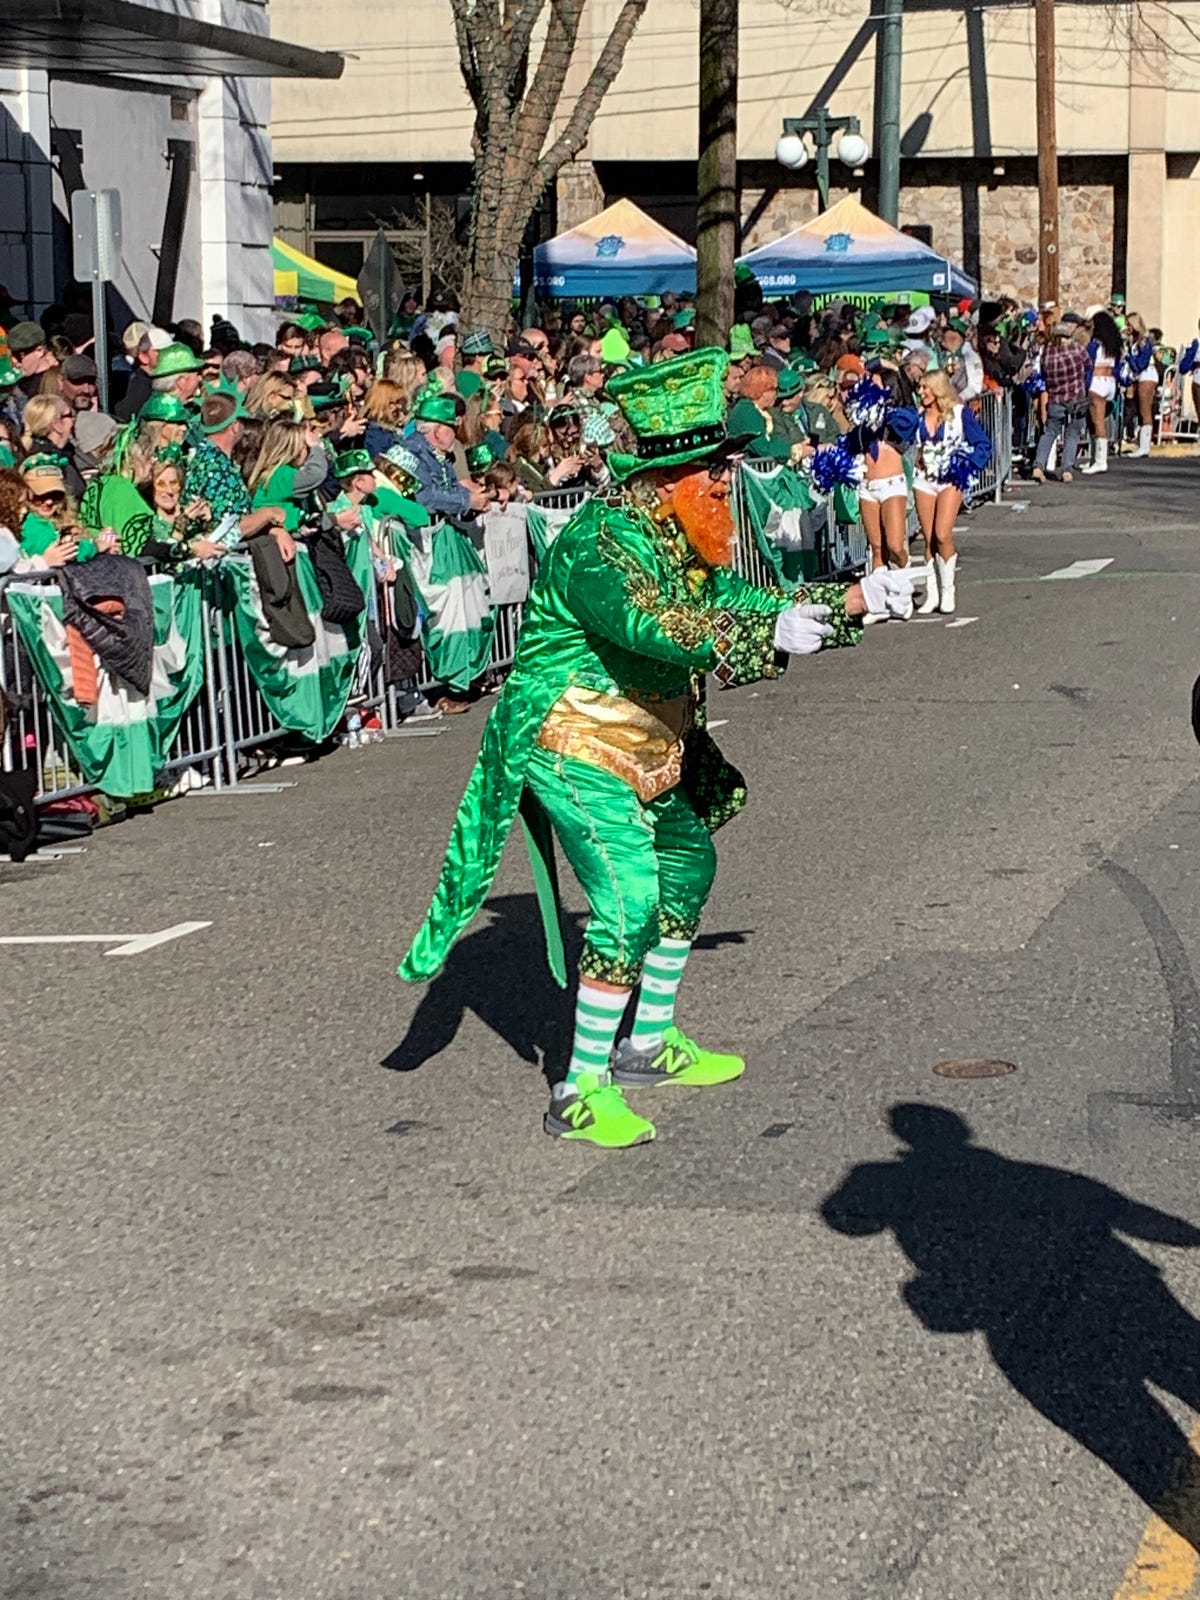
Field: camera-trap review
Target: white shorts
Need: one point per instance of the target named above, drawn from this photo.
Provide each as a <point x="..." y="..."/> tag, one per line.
<point x="1149" y="376"/>
<point x="923" y="485"/>
<point x="1105" y="385"/>
<point x="881" y="489"/>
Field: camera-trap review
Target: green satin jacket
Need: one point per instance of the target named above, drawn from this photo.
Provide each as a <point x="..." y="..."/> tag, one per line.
<point x="620" y="604"/>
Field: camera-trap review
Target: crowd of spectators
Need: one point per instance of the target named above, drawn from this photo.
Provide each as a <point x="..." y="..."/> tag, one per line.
<point x="211" y="442"/>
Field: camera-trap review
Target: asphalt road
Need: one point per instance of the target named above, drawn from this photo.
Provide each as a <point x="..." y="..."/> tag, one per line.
<point x="300" y="1302"/>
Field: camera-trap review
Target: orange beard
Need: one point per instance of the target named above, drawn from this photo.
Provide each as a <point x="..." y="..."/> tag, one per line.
<point x="702" y="510"/>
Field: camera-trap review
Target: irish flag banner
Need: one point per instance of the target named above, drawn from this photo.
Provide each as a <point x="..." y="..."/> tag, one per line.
<point x="545" y="523"/>
<point x="120" y="742"/>
<point x="305" y="690"/>
<point x="771" y="508"/>
<point x="451" y="582"/>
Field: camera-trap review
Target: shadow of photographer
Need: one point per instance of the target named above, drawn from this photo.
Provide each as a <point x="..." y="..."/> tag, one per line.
<point x="1033" y="1257"/>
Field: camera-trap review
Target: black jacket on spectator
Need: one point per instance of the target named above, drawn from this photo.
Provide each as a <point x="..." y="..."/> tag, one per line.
<point x="125" y="643"/>
<point x="134" y="398"/>
<point x="283" y="605"/>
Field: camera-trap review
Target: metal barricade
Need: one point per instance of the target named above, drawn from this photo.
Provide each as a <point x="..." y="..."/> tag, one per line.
<point x="198" y="745"/>
<point x="31" y="739"/>
<point x="996" y="420"/>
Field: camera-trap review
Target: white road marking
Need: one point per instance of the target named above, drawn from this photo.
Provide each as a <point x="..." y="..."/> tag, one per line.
<point x="962" y="622"/>
<point x="127" y="944"/>
<point x="724" y="723"/>
<point x="1080" y="569"/>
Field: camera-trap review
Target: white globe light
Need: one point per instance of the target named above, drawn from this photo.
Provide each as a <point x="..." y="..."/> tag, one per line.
<point x="853" y="149"/>
<point x="790" y="152"/>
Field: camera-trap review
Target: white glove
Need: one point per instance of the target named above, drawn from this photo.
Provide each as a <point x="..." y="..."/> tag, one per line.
<point x="887" y="592"/>
<point x="802" y="630"/>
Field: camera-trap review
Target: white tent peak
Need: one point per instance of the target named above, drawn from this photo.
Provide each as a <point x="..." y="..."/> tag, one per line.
<point x="619" y="220"/>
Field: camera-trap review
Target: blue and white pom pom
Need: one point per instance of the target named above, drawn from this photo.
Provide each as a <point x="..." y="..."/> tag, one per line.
<point x="959" y="471"/>
<point x="867" y="404"/>
<point x="836" y="464"/>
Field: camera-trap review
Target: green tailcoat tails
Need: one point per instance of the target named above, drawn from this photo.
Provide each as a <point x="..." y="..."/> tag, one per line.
<point x="622" y="607"/>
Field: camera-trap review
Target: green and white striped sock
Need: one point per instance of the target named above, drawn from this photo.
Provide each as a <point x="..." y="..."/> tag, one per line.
<point x="598" y="1014"/>
<point x="656" y="1001"/>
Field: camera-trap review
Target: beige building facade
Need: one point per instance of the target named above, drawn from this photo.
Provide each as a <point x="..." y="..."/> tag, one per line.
<point x="398" y="125"/>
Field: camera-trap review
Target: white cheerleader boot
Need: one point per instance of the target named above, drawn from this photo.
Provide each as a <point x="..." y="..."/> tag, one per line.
<point x="930" y="602"/>
<point x="1143" y="447"/>
<point x="945" y="578"/>
<point x="1100" y="464"/>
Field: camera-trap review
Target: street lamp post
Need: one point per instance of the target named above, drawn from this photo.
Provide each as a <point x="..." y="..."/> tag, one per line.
<point x="791" y="151"/>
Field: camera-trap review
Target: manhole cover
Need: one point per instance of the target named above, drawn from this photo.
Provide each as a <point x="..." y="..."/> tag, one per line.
<point x="974" y="1068"/>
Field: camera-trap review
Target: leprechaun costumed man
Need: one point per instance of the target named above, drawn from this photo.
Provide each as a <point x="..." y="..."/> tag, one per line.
<point x="598" y="739"/>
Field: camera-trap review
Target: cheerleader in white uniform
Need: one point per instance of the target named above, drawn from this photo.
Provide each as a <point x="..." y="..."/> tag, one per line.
<point x="952" y="450"/>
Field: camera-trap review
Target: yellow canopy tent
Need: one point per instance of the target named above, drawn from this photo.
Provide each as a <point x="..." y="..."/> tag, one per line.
<point x="299" y="277"/>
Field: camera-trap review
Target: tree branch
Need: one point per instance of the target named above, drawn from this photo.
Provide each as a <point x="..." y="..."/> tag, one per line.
<point x="608" y="63"/>
<point x="541" y="98"/>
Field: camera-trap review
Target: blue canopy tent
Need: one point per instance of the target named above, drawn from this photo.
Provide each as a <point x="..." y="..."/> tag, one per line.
<point x="849" y="250"/>
<point x="621" y="251"/>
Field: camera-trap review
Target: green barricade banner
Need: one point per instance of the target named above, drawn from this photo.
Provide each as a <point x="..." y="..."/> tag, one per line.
<point x="545" y="523"/>
<point x="451" y="581"/>
<point x="775" y="506"/>
<point x="305" y="690"/>
<point x="120" y="743"/>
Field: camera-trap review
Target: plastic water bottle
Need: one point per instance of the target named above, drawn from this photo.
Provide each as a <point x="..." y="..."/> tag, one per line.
<point x="354" y="730"/>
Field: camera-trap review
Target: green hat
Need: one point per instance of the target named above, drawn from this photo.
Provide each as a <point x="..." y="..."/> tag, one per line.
<point x="741" y="343"/>
<point x="10" y="373"/>
<point x="437" y="406"/>
<point x="614" y="346"/>
<point x="177" y="358"/>
<point x="676" y="409"/>
<point x="684" y="319"/>
<point x="874" y="338"/>
<point x="790" y="382"/>
<point x="957" y="325"/>
<point x="480" y="457"/>
<point x="325" y="396"/>
<point x="363" y="334"/>
<point x="219" y="423"/>
<point x="304" y="364"/>
<point x="743" y="274"/>
<point x="164" y="408"/>
<point x="170" y="455"/>
<point x="802" y="362"/>
<point x="1116" y="300"/>
<point x="351" y="462"/>
<point x="310" y="321"/>
<point x="478" y="343"/>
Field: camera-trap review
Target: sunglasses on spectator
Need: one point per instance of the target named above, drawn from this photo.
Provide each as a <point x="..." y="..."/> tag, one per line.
<point x="52" y="498"/>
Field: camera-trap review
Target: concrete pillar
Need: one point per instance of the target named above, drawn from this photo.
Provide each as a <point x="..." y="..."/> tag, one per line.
<point x="1144" y="261"/>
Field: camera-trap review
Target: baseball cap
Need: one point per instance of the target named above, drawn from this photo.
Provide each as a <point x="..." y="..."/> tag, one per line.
<point x="921" y="321"/>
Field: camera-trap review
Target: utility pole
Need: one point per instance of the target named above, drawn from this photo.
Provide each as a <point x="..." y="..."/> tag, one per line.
<point x="717" y="208"/>
<point x="891" y="46"/>
<point x="1047" y="154"/>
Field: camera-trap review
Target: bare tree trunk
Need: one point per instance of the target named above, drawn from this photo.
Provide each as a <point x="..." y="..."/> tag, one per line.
<point x="717" y="206"/>
<point x="516" y="157"/>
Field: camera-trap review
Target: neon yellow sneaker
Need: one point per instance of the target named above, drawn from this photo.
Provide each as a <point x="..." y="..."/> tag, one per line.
<point x="677" y="1060"/>
<point x="594" y="1110"/>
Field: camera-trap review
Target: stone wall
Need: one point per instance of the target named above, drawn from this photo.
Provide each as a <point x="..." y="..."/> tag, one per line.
<point x="579" y="194"/>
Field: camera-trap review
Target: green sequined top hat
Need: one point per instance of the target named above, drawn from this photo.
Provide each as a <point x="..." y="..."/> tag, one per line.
<point x="177" y="358"/>
<point x="437" y="406"/>
<point x="352" y="462"/>
<point x="676" y="409"/>
<point x="164" y="408"/>
<point x="479" y="458"/>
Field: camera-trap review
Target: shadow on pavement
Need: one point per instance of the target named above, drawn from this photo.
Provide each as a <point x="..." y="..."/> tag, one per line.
<point x="1031" y="1256"/>
<point x="499" y="972"/>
